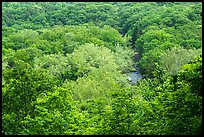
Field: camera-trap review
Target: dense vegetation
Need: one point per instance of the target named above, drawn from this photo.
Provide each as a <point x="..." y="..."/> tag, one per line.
<point x="65" y="68"/>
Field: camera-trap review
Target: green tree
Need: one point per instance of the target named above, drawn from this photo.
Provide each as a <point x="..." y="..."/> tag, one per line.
<point x="172" y="60"/>
<point x="21" y="87"/>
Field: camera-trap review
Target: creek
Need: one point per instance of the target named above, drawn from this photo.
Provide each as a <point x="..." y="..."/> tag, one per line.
<point x="134" y="76"/>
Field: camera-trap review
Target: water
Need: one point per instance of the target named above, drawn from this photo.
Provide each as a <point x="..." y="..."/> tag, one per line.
<point x="133" y="77"/>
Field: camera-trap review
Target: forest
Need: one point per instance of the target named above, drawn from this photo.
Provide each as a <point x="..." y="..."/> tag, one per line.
<point x="101" y="68"/>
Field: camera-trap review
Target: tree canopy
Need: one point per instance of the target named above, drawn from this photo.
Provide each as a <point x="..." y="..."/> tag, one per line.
<point x="65" y="68"/>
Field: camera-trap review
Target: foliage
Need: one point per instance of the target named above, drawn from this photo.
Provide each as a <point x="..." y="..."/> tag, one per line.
<point x="171" y="61"/>
<point x="65" y="68"/>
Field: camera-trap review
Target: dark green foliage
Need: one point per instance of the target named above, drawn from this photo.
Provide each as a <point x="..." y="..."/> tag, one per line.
<point x="65" y="68"/>
<point x="21" y="86"/>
